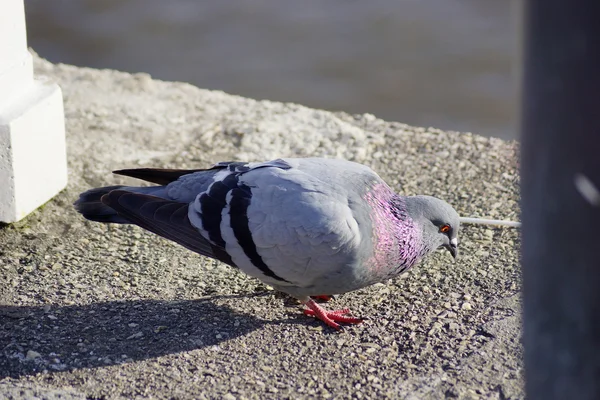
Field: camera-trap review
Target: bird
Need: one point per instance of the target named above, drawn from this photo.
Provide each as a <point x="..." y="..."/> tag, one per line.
<point x="308" y="227"/>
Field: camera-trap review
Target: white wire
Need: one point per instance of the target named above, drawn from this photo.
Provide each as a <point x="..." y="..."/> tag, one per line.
<point x="484" y="221"/>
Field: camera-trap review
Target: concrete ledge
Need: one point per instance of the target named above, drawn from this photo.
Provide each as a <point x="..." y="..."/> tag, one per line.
<point x="115" y="312"/>
<point x="33" y="160"/>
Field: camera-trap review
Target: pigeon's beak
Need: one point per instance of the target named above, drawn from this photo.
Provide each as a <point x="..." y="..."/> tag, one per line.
<point x="453" y="247"/>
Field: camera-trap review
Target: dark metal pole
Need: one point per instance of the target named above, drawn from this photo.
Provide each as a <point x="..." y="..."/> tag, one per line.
<point x="560" y="125"/>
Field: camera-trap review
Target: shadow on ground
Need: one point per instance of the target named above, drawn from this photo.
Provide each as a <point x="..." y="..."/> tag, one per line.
<point x="33" y="339"/>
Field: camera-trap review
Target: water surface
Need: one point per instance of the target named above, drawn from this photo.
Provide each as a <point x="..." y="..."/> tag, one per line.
<point x="441" y="63"/>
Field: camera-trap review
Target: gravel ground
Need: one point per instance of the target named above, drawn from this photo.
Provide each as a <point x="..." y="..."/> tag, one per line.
<point x="100" y="312"/>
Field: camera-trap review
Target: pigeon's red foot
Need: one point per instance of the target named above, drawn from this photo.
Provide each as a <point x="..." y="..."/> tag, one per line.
<point x="330" y="317"/>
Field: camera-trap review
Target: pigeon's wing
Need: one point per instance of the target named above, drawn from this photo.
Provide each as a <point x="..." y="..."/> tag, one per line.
<point x="166" y="218"/>
<point x="164" y="209"/>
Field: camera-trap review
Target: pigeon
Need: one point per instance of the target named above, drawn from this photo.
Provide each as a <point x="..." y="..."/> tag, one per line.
<point x="308" y="227"/>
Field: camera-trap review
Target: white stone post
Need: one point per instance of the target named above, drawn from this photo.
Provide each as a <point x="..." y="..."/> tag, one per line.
<point x="33" y="160"/>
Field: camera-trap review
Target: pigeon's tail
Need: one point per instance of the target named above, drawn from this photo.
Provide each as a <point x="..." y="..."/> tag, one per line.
<point x="91" y="207"/>
<point x="90" y="203"/>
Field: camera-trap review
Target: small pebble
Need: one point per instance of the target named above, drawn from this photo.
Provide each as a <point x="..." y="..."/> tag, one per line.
<point x="32" y="355"/>
<point x="135" y="336"/>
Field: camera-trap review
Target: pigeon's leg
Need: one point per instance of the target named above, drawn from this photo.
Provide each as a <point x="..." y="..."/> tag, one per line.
<point x="329" y="317"/>
<point x="323" y="298"/>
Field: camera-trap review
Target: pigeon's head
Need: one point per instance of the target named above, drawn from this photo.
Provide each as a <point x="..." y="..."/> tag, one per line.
<point x="439" y="221"/>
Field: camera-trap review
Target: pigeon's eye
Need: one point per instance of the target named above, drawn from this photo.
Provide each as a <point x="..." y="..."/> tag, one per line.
<point x="445" y="228"/>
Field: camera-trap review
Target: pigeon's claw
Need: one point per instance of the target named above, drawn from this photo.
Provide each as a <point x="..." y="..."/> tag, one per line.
<point x="330" y="317"/>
